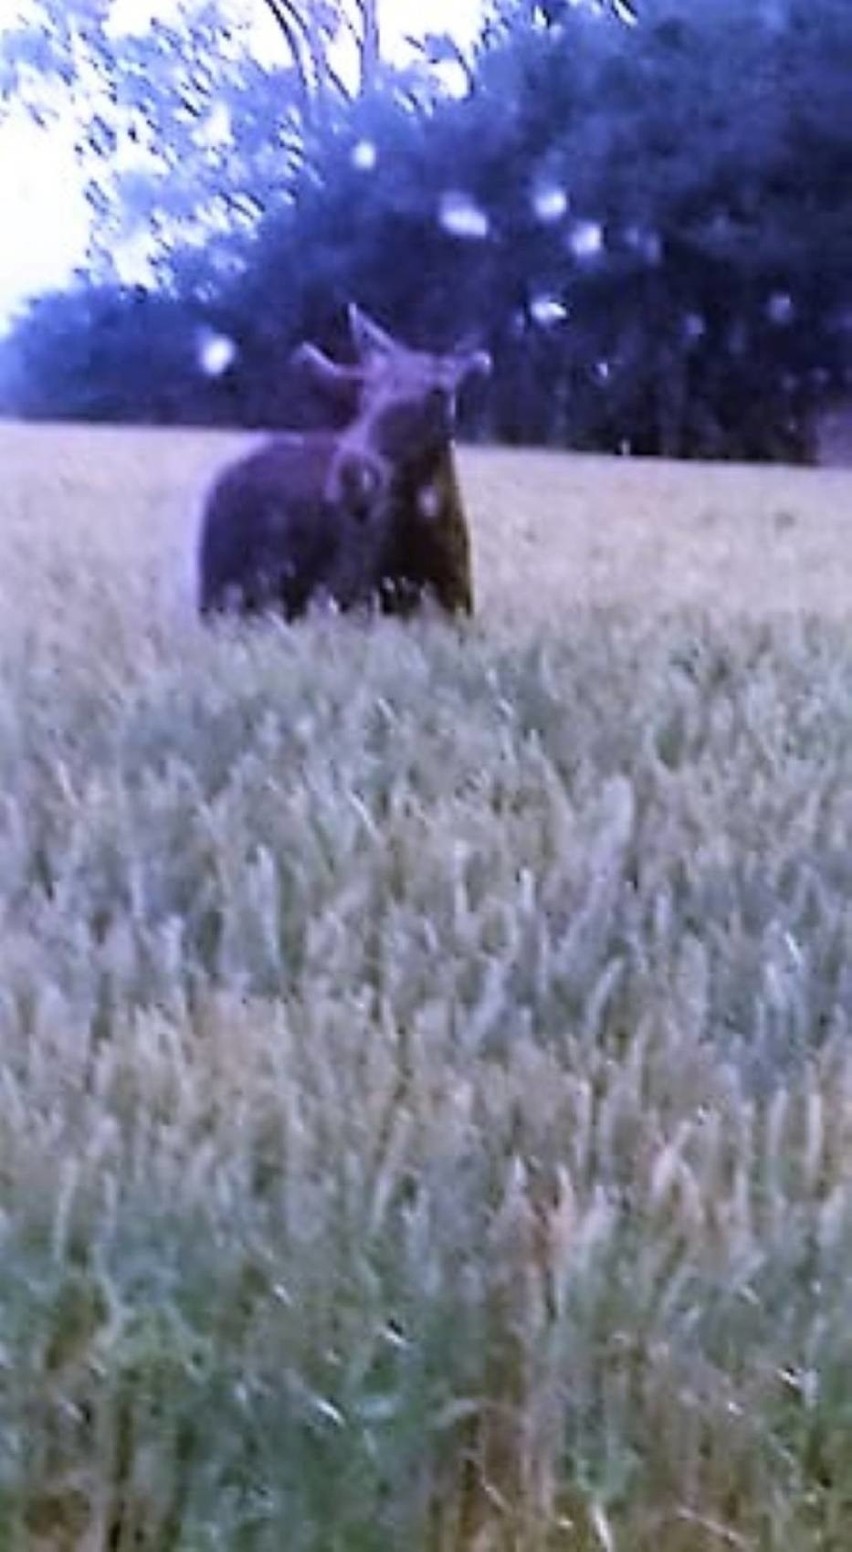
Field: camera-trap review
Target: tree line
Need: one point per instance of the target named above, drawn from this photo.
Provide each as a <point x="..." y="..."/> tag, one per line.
<point x="641" y="210"/>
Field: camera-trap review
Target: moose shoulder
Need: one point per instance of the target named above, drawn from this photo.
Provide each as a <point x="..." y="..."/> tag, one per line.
<point x="370" y="515"/>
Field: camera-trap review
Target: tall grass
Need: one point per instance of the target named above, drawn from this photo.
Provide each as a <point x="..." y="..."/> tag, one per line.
<point x="425" y="1076"/>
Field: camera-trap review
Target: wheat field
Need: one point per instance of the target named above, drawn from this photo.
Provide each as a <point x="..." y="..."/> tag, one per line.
<point x="425" y="1070"/>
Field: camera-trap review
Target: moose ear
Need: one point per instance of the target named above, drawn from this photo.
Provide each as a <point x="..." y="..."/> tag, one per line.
<point x="368" y="337"/>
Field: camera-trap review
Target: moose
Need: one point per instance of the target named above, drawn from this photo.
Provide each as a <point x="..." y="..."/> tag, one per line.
<point x="370" y="516"/>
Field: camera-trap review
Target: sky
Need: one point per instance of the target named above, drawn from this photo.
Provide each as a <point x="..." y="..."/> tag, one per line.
<point x="43" y="214"/>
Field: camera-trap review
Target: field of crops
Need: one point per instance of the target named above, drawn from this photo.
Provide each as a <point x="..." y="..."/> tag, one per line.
<point x="425" y="1063"/>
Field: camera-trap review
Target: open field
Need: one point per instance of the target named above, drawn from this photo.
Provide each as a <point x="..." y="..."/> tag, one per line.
<point x="551" y="532"/>
<point x="425" y="1065"/>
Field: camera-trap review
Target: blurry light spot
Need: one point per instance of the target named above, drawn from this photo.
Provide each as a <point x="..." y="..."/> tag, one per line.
<point x="216" y="352"/>
<point x="548" y="310"/>
<point x="428" y="502"/>
<point x="549" y="202"/>
<point x="364" y="156"/>
<point x="586" y="240"/>
<point x="460" y="216"/>
<point x="694" y="327"/>
<point x="780" y="308"/>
